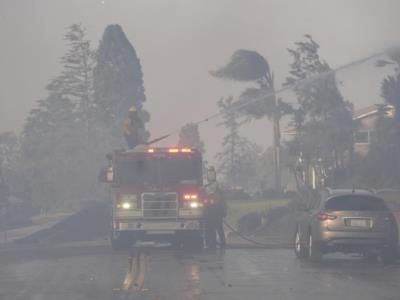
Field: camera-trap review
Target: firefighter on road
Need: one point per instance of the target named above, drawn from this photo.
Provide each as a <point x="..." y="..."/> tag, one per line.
<point x="4" y="195"/>
<point x="133" y="128"/>
<point x="214" y="212"/>
<point x="4" y="191"/>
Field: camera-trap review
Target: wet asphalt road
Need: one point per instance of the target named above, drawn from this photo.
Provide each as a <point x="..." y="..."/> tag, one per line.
<point x="87" y="271"/>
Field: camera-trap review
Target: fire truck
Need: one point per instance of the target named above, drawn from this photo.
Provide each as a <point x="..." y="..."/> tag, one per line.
<point x="156" y="196"/>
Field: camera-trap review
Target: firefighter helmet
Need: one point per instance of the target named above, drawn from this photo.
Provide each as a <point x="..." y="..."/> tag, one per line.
<point x="132" y="109"/>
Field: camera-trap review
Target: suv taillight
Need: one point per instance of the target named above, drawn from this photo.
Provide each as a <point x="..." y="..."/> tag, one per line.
<point x="325" y="217"/>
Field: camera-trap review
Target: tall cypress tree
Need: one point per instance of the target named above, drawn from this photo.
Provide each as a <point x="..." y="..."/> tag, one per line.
<point x="118" y="80"/>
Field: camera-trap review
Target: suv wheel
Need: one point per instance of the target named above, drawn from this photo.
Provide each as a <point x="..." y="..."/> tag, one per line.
<point x="299" y="249"/>
<point x="388" y="254"/>
<point x="370" y="256"/>
<point x="314" y="250"/>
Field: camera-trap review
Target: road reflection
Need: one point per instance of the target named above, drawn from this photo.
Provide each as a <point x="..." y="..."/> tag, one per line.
<point x="352" y="268"/>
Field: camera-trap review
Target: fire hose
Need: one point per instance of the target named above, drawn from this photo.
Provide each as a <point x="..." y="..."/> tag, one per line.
<point x="241" y="235"/>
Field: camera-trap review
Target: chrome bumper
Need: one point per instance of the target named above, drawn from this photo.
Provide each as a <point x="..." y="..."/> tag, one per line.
<point x="352" y="238"/>
<point x="157" y="227"/>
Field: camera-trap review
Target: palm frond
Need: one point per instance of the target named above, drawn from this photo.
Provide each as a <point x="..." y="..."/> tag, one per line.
<point x="244" y="65"/>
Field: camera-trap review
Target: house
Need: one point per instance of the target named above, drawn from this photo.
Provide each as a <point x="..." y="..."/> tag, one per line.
<point x="366" y="119"/>
<point x="365" y="123"/>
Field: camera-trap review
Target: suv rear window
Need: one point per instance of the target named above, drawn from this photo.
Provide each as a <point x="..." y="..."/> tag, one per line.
<point x="356" y="202"/>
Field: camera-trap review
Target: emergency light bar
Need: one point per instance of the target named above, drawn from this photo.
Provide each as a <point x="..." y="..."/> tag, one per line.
<point x="190" y="196"/>
<point x="171" y="150"/>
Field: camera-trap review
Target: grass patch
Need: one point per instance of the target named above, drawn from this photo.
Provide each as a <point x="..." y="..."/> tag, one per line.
<point x="237" y="209"/>
<point x="280" y="226"/>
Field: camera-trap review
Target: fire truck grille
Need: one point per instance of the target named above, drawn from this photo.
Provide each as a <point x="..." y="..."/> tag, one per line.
<point x="160" y="205"/>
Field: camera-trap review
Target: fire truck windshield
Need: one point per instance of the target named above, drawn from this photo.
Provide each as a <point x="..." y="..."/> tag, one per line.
<point x="163" y="170"/>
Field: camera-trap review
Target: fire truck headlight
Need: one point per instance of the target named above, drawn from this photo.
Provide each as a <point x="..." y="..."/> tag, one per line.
<point x="127" y="202"/>
<point x="194" y="205"/>
<point x="126" y="205"/>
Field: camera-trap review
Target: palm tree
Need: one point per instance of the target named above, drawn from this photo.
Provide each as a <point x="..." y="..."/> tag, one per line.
<point x="257" y="102"/>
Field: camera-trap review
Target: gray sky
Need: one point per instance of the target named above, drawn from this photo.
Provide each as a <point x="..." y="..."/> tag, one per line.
<point x="179" y="41"/>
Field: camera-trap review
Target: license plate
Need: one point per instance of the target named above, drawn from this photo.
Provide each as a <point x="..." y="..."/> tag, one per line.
<point x="127" y="226"/>
<point x="359" y="222"/>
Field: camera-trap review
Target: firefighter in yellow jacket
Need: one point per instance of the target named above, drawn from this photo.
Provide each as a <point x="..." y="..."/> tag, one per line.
<point x="133" y="128"/>
<point x="214" y="211"/>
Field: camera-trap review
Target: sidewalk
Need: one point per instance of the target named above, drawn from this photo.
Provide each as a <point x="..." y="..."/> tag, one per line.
<point x="38" y="223"/>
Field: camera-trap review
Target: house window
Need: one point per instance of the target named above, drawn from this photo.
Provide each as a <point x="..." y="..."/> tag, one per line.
<point x="362" y="137"/>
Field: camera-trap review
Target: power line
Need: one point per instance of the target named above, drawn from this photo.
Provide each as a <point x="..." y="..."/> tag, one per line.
<point x="237" y="105"/>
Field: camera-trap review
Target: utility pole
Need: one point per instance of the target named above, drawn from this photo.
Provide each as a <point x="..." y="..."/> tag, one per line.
<point x="276" y="117"/>
<point x="277" y="146"/>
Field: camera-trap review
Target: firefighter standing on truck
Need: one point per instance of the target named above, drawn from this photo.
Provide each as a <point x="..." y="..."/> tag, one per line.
<point x="214" y="211"/>
<point x="133" y="128"/>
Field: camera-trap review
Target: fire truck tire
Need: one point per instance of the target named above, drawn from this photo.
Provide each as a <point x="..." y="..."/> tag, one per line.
<point x="193" y="241"/>
<point x="121" y="242"/>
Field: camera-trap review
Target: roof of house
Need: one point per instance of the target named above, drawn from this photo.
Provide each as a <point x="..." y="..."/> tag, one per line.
<point x="369" y="111"/>
<point x="357" y="115"/>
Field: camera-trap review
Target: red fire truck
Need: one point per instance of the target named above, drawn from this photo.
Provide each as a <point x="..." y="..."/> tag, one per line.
<point x="156" y="196"/>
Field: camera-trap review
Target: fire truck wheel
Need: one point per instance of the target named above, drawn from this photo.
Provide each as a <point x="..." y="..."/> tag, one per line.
<point x="121" y="242"/>
<point x="193" y="241"/>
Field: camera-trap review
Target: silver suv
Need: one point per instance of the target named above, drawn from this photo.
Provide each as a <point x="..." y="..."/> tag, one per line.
<point x="347" y="221"/>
